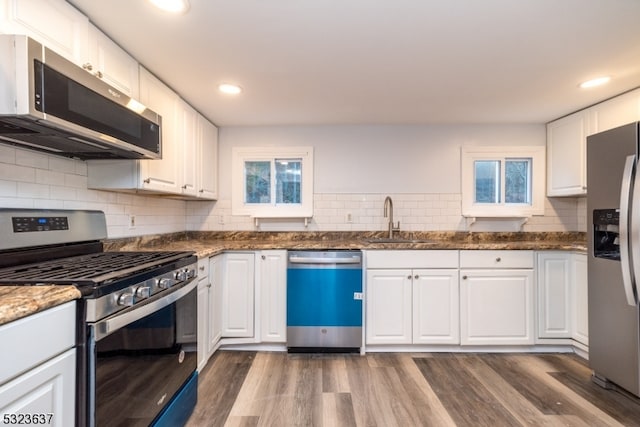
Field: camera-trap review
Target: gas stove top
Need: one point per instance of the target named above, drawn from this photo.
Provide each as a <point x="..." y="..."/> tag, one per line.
<point x="88" y="270"/>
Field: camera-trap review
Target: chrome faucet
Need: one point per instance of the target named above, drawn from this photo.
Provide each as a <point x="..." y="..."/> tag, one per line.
<point x="388" y="211"/>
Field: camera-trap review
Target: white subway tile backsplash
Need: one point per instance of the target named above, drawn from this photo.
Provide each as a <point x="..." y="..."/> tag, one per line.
<point x="31" y="179"/>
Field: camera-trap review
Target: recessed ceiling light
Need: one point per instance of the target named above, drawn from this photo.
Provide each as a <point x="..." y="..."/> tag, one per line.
<point x="595" y="82"/>
<point x="229" y="89"/>
<point x="173" y="6"/>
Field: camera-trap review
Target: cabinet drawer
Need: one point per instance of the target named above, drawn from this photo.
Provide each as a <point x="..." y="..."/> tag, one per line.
<point x="412" y="259"/>
<point x="29" y="341"/>
<point x="496" y="259"/>
<point x="203" y="268"/>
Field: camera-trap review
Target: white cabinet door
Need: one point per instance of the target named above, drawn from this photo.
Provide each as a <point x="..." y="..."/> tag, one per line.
<point x="614" y="112"/>
<point x="47" y="390"/>
<point x="273" y="295"/>
<point x="162" y="174"/>
<point x="237" y="295"/>
<point x="496" y="307"/>
<point x="207" y="159"/>
<point x="111" y="63"/>
<point x="436" y="311"/>
<point x="580" y="298"/>
<point x="554" y="295"/>
<point x="187" y="153"/>
<point x="388" y="303"/>
<point x="203" y="321"/>
<point x="566" y="156"/>
<point x="215" y="303"/>
<point x="54" y="23"/>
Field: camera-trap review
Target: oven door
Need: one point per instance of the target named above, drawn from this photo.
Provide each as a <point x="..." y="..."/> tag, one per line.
<point x="142" y="358"/>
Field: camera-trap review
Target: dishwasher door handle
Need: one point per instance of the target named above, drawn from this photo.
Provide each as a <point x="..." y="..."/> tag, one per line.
<point x="320" y="260"/>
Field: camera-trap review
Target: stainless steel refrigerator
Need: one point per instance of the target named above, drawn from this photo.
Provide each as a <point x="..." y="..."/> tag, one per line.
<point x="613" y="211"/>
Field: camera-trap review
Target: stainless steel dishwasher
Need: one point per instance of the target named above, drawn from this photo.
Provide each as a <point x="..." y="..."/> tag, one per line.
<point x="324" y="301"/>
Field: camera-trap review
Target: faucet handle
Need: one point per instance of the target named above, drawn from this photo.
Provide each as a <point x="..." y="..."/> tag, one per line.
<point x="396" y="227"/>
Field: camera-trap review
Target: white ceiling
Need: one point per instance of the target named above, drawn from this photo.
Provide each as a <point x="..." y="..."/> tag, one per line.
<point x="306" y="62"/>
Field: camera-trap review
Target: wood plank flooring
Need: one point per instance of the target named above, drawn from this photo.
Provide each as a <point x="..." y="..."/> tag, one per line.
<point x="405" y="389"/>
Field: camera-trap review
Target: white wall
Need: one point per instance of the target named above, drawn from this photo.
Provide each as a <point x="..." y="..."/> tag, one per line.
<point x="29" y="179"/>
<point x="356" y="167"/>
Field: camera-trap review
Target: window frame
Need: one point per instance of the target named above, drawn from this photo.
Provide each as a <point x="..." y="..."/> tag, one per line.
<point x="240" y="155"/>
<point x="469" y="154"/>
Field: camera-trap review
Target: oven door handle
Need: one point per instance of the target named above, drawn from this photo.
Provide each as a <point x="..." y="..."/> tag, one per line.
<point x="108" y="326"/>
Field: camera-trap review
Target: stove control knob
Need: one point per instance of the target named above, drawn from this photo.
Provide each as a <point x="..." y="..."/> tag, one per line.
<point x="165" y="283"/>
<point x="181" y="275"/>
<point x="191" y="273"/>
<point x="125" y="299"/>
<point x="143" y="292"/>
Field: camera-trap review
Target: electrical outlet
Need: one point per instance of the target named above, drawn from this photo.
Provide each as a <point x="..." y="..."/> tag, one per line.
<point x="132" y="221"/>
<point x="348" y="217"/>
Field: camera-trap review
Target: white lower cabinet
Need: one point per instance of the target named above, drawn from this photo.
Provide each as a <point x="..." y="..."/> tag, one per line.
<point x="496" y="297"/>
<point x="580" y="298"/>
<point x="388" y="307"/>
<point x="38" y="368"/>
<point x="562" y="296"/>
<point x="272" y="281"/>
<point x="412" y="305"/>
<point x="435" y="307"/>
<point x="209" y="308"/>
<point x="554" y="294"/>
<point x="238" y="295"/>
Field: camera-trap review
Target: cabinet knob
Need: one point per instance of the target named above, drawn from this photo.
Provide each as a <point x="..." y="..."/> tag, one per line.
<point x="184" y="187"/>
<point x="416" y="276"/>
<point x="147" y="181"/>
<point x="409" y="277"/>
<point x="201" y="268"/>
<point x="87" y="66"/>
<point x="498" y="259"/>
<point x="98" y="74"/>
<point x="464" y="277"/>
<point x="263" y="257"/>
<point x="201" y="190"/>
<point x="208" y="285"/>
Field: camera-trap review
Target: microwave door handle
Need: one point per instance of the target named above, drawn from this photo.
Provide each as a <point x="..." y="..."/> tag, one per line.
<point x="628" y="237"/>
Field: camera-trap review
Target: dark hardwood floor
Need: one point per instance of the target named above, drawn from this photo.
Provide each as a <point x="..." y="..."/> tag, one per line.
<point x="406" y="389"/>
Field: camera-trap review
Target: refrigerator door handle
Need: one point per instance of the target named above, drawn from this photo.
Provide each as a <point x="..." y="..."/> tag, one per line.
<point x="628" y="237"/>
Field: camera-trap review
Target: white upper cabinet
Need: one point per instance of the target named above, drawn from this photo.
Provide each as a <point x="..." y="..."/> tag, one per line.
<point x="207" y="158"/>
<point x="189" y="135"/>
<point x="62" y="28"/>
<point x="189" y="165"/>
<point x="54" y="23"/>
<point x="567" y="141"/>
<point x="615" y="112"/>
<point x="566" y="156"/>
<point x="111" y="63"/>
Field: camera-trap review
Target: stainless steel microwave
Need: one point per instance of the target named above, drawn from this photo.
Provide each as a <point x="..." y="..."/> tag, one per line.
<point x="47" y="103"/>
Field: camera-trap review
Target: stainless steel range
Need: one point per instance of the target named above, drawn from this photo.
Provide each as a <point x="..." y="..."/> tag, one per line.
<point x="137" y="319"/>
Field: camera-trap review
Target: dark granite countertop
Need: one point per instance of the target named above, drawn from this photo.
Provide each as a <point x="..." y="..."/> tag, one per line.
<point x="207" y="244"/>
<point x="21" y="301"/>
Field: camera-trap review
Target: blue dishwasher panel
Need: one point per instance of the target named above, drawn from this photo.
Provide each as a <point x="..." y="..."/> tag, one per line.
<point x="324" y="297"/>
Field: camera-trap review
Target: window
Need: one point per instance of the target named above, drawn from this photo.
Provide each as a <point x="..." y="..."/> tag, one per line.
<point x="272" y="182"/>
<point x="502" y="181"/>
